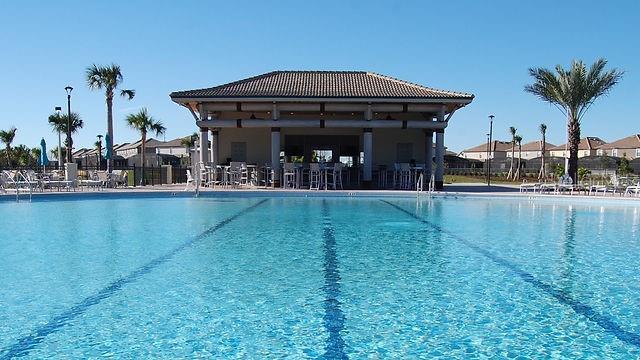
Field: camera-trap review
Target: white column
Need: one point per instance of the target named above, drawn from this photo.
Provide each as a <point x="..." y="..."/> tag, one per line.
<point x="275" y="155"/>
<point x="204" y="146"/>
<point x="428" y="155"/>
<point x="215" y="139"/>
<point x="367" y="147"/>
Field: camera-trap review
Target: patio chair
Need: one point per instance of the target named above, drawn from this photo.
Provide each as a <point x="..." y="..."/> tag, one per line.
<point x="91" y="181"/>
<point x="190" y="181"/>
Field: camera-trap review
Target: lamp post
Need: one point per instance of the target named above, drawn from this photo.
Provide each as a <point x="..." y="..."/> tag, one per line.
<point x="489" y="155"/>
<point x="58" y="112"/>
<point x="68" y="89"/>
<point x="486" y="162"/>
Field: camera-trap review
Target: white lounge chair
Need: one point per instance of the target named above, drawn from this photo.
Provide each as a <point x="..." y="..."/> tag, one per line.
<point x="190" y="181"/>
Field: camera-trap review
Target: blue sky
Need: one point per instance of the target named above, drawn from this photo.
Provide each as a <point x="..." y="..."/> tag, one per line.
<point x="480" y="47"/>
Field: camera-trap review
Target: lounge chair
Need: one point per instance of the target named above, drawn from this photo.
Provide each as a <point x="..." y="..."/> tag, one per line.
<point x="190" y="181"/>
<point x="527" y="186"/>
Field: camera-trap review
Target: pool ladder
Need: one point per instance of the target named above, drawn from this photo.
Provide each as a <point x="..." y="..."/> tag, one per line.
<point x="420" y="184"/>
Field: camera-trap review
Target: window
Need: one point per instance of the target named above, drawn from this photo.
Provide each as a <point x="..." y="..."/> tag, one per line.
<point x="322" y="155"/>
<point x="346" y="160"/>
<point x="238" y="151"/>
<point x="637" y="152"/>
<point x="614" y="152"/>
<point x="404" y="152"/>
<point x="600" y="152"/>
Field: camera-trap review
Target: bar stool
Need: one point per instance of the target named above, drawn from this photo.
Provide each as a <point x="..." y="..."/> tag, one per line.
<point x="314" y="176"/>
<point x="289" y="176"/>
<point x="382" y="176"/>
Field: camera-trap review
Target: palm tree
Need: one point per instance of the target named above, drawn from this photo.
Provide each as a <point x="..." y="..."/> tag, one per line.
<point x="108" y="78"/>
<point x="59" y="124"/>
<point x="573" y="91"/>
<point x="7" y="136"/>
<point x="512" y="131"/>
<point x="189" y="142"/>
<point x="98" y="145"/>
<point x="543" y="147"/>
<point x="518" y="140"/>
<point x="54" y="152"/>
<point x="144" y="123"/>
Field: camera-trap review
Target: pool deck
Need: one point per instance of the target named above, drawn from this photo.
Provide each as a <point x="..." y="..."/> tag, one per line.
<point x="460" y="189"/>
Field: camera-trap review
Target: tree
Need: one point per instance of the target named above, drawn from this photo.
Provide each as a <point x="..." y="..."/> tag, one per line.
<point x="512" y="131"/>
<point x="518" y="140"/>
<point x="59" y="124"/>
<point x="144" y="123"/>
<point x="189" y="142"/>
<point x="573" y="91"/>
<point x="7" y="136"/>
<point x="624" y="168"/>
<point x="23" y="156"/>
<point x="109" y="79"/>
<point x="582" y="173"/>
<point x="543" y="147"/>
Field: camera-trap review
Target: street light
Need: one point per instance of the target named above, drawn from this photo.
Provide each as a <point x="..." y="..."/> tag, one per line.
<point x="489" y="155"/>
<point x="68" y="89"/>
<point x="58" y="112"/>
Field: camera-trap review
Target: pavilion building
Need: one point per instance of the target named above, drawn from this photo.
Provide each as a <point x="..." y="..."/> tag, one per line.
<point x="362" y="118"/>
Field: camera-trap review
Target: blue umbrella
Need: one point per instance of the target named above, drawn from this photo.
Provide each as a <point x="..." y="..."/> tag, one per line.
<point x="43" y="153"/>
<point x="107" y="140"/>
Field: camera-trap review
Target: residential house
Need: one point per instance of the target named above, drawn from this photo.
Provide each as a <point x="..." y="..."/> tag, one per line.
<point x="498" y="151"/>
<point x="588" y="147"/>
<point x="628" y="147"/>
<point x="532" y="150"/>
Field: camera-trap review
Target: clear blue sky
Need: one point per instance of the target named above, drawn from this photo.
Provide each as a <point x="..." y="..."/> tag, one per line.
<point x="480" y="47"/>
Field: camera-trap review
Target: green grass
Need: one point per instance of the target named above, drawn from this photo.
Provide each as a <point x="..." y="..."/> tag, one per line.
<point x="452" y="179"/>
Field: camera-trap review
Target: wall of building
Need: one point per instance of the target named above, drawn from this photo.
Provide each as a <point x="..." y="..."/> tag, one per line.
<point x="482" y="156"/>
<point x="630" y="154"/>
<point x="581" y="153"/>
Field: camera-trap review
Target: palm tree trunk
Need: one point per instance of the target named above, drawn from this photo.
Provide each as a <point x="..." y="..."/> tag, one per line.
<point x="144" y="141"/>
<point x="110" y="132"/>
<point x="8" y="151"/>
<point x="517" y="176"/>
<point x="513" y="145"/>
<point x="573" y="133"/>
<point x="542" y="174"/>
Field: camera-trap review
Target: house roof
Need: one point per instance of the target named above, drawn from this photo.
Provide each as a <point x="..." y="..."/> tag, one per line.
<point x="630" y="142"/>
<point x="149" y="143"/>
<point x="586" y="143"/>
<point x="534" y="146"/>
<point x="119" y="146"/>
<point x="172" y="143"/>
<point x="321" y="84"/>
<point x="496" y="145"/>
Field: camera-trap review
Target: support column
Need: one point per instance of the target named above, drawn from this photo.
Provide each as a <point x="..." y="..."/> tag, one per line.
<point x="204" y="146"/>
<point x="428" y="155"/>
<point x="215" y="136"/>
<point x="367" y="148"/>
<point x="439" y="174"/>
<point x="275" y="155"/>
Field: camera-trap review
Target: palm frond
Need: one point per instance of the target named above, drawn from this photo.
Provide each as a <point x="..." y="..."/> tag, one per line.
<point x="129" y="94"/>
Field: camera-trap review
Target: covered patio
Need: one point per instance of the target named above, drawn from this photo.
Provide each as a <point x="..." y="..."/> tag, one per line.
<point x="371" y="124"/>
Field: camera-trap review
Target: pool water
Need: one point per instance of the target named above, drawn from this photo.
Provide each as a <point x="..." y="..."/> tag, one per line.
<point x="319" y="277"/>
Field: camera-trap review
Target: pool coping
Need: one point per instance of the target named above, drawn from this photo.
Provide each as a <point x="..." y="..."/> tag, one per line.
<point x="178" y="192"/>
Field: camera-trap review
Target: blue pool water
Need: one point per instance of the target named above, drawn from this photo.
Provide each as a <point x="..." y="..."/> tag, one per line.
<point x="334" y="277"/>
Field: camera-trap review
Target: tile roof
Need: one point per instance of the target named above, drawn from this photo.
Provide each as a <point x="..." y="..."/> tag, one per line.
<point x="151" y="142"/>
<point x="321" y="84"/>
<point x="534" y="146"/>
<point x="496" y="145"/>
<point x="586" y="143"/>
<point x="172" y="143"/>
<point x="630" y="142"/>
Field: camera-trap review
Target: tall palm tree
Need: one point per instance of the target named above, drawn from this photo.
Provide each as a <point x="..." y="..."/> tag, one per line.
<point x="7" y="136"/>
<point x="512" y="131"/>
<point x="144" y="123"/>
<point x="543" y="147"/>
<point x="189" y="142"/>
<point x="518" y="140"/>
<point x="58" y="123"/>
<point x="573" y="91"/>
<point x="108" y="78"/>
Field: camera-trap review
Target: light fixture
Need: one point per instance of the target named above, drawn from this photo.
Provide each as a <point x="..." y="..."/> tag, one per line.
<point x="388" y="117"/>
<point x="253" y="116"/>
<point x="68" y="89"/>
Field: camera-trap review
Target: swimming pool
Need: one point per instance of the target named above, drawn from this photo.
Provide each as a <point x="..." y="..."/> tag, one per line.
<point x="318" y="277"/>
